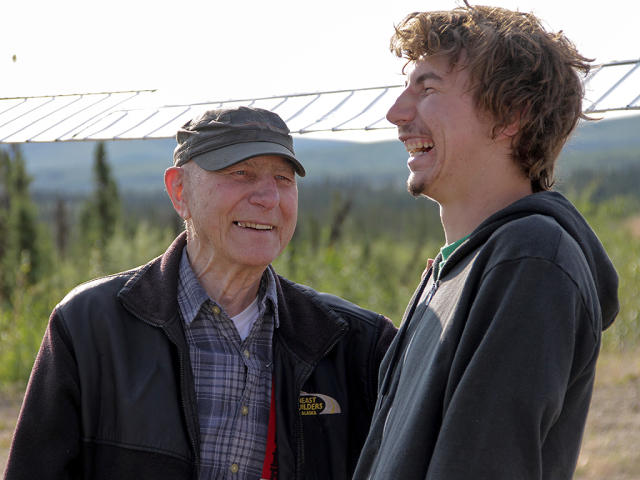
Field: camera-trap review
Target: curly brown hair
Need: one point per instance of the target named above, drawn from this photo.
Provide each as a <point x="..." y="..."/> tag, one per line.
<point x="519" y="72"/>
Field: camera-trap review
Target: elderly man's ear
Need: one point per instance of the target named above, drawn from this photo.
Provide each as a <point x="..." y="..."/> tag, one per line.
<point x="174" y="182"/>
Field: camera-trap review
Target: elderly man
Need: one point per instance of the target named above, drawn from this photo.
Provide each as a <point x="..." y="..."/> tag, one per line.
<point x="204" y="363"/>
<point x="491" y="374"/>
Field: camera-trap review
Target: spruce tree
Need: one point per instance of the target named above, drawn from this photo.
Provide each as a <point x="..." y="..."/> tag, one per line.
<point x="5" y="181"/>
<point x="61" y="225"/>
<point x="20" y="250"/>
<point x="101" y="213"/>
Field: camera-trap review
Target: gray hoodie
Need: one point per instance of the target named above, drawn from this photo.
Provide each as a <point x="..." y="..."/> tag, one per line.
<point x="491" y="374"/>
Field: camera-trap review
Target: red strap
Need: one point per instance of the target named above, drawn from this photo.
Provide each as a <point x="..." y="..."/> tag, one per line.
<point x="270" y="465"/>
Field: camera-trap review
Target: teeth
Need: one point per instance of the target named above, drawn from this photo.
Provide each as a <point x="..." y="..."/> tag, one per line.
<point x="255" y="226"/>
<point x="416" y="145"/>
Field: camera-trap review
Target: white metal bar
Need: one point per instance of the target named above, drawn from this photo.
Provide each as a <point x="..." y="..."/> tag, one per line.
<point x="135" y="94"/>
<point x="373" y="102"/>
<point x="615" y="85"/>
<point x="118" y="116"/>
<point x="68" y="117"/>
<point x="172" y="119"/>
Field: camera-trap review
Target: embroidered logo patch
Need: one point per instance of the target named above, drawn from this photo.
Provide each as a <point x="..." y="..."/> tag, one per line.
<point x="317" y="404"/>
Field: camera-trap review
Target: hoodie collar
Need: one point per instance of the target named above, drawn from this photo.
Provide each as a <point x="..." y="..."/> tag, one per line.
<point x="556" y="206"/>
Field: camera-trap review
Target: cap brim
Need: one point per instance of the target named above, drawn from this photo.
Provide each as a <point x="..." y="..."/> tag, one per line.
<point x="229" y="155"/>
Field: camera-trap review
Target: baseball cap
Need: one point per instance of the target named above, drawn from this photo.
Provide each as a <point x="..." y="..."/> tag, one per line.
<point x="219" y="138"/>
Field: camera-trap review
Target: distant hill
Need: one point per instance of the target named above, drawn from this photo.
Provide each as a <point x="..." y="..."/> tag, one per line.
<point x="605" y="145"/>
<point x="66" y="167"/>
<point x="139" y="164"/>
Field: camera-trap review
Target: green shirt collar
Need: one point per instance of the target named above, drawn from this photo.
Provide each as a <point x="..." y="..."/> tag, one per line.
<point x="446" y="252"/>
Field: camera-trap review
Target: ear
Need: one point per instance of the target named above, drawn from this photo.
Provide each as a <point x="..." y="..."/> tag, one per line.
<point x="512" y="129"/>
<point x="174" y="182"/>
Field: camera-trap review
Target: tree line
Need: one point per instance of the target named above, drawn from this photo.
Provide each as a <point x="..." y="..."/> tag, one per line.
<point x="367" y="242"/>
<point x="28" y="246"/>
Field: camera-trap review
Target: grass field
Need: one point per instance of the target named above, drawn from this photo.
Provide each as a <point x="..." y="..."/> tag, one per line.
<point x="610" y="447"/>
<point x="609" y="450"/>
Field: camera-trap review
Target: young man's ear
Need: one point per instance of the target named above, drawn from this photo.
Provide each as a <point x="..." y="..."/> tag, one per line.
<point x="512" y="128"/>
<point x="174" y="182"/>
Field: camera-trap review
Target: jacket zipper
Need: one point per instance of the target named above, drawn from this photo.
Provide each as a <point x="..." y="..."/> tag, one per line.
<point x="191" y="434"/>
<point x="196" y="450"/>
<point x="299" y="431"/>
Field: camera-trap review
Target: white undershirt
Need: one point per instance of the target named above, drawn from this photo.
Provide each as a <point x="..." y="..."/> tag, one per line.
<point x="246" y="318"/>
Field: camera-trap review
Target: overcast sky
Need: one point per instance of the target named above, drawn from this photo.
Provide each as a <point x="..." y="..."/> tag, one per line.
<point x="224" y="49"/>
<point x="230" y="48"/>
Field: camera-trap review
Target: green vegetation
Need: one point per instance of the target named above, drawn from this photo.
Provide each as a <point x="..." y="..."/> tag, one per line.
<point x="367" y="241"/>
<point x="101" y="213"/>
<point x="611" y="220"/>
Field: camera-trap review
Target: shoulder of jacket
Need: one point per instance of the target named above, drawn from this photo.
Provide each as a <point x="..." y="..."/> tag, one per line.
<point x="531" y="236"/>
<point x="531" y="225"/>
<point x="349" y="310"/>
<point x="345" y="309"/>
<point x="101" y="287"/>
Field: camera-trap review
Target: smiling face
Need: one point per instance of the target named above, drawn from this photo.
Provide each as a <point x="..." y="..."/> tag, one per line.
<point x="240" y="217"/>
<point x="445" y="135"/>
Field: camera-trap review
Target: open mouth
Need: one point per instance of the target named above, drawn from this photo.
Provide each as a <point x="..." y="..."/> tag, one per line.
<point x="415" y="146"/>
<point x="254" y="226"/>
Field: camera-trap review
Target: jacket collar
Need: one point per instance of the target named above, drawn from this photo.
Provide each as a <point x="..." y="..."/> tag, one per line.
<point x="151" y="293"/>
<point x="307" y="326"/>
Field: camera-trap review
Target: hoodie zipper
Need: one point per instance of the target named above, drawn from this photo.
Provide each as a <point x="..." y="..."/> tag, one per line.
<point x="399" y="341"/>
<point x="400" y="345"/>
<point x="432" y="292"/>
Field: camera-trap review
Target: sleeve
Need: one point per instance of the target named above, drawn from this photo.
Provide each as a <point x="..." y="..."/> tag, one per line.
<point x="385" y="333"/>
<point x="520" y="384"/>
<point x="46" y="442"/>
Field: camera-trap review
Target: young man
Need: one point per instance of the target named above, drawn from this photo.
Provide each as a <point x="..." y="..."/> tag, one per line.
<point x="491" y="374"/>
<point x="204" y="363"/>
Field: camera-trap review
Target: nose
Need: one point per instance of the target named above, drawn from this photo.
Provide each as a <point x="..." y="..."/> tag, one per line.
<point x="266" y="194"/>
<point x="403" y="110"/>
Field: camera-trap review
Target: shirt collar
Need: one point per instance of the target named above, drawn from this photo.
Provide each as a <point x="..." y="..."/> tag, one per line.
<point x="191" y="295"/>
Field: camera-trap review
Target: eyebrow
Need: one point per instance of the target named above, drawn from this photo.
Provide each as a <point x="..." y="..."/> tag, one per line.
<point x="428" y="76"/>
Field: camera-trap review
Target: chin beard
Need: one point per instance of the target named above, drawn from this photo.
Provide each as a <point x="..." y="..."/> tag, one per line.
<point x="415" y="188"/>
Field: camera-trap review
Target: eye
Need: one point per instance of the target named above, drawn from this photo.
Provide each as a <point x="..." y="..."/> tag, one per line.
<point x="284" y="178"/>
<point x="239" y="173"/>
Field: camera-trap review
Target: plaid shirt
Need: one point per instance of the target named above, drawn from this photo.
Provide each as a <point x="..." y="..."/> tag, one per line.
<point x="232" y="378"/>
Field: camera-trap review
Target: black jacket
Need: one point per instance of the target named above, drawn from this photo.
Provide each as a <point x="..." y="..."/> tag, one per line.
<point x="491" y="374"/>
<point x="111" y="395"/>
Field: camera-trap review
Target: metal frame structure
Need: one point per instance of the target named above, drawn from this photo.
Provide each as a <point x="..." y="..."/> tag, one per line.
<point x="628" y="74"/>
<point x="135" y="114"/>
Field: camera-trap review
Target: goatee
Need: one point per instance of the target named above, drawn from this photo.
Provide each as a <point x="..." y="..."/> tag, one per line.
<point x="415" y="188"/>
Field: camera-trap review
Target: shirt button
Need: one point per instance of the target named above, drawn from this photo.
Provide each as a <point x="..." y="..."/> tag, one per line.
<point x="234" y="468"/>
<point x="246" y="354"/>
<point x="215" y="309"/>
<point x="245" y="410"/>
